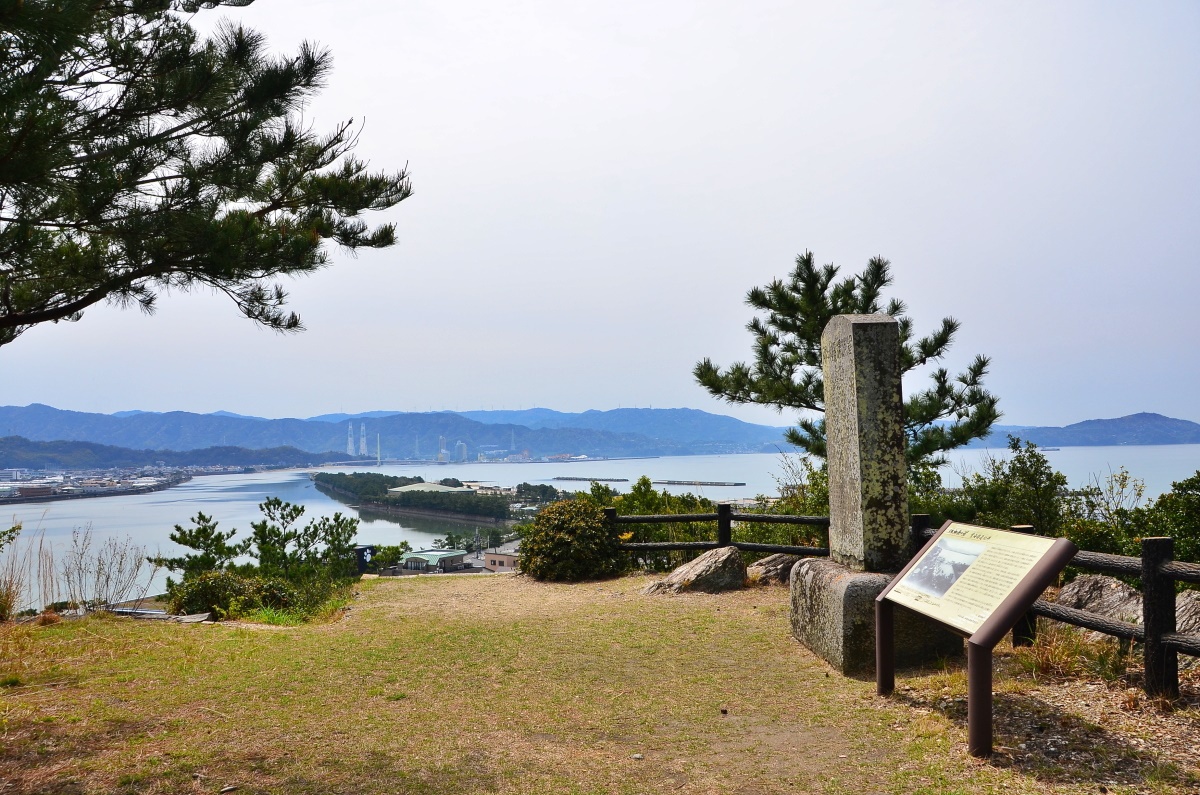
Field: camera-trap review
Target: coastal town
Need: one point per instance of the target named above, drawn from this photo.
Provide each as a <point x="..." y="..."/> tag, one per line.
<point x="26" y="485"/>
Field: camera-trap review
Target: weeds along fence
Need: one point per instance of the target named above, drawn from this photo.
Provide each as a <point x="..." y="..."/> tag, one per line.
<point x="1156" y="568"/>
<point x="724" y="517"/>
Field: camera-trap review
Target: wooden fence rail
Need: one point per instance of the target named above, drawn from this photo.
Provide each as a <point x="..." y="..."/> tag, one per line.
<point x="1156" y="567"/>
<point x="1161" y="644"/>
<point x="724" y="517"/>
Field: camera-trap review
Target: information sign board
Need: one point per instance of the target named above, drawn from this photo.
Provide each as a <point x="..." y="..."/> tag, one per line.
<point x="978" y="581"/>
<point x="965" y="575"/>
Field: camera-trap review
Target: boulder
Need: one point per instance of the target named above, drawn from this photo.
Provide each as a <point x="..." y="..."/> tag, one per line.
<point x="1110" y="597"/>
<point x="775" y="568"/>
<point x="1107" y="596"/>
<point x="1187" y="612"/>
<point x="715" y="571"/>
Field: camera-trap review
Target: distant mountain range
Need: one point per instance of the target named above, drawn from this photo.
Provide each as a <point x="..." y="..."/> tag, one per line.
<point x="624" y="432"/>
<point x="1135" y="429"/>
<point x="418" y="436"/>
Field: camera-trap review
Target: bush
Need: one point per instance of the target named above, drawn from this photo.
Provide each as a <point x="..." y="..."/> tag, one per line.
<point x="643" y="500"/>
<point x="803" y="491"/>
<point x="1022" y="489"/>
<point x="570" y="541"/>
<point x="222" y="593"/>
<point x="1175" y="514"/>
<point x="227" y="595"/>
<point x="277" y="594"/>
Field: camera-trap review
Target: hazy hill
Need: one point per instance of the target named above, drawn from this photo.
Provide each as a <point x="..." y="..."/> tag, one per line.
<point x="1144" y="428"/>
<point x="18" y="453"/>
<point x="366" y="415"/>
<point x="687" y="426"/>
<point x="1135" y="429"/>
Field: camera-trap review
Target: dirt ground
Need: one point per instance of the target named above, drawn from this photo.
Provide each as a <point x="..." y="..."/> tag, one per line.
<point x="501" y="684"/>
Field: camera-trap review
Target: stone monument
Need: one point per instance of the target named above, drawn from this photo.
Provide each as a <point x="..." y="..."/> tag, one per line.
<point x="833" y="600"/>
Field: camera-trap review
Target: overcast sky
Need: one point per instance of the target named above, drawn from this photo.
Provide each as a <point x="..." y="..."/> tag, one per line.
<point x="597" y="185"/>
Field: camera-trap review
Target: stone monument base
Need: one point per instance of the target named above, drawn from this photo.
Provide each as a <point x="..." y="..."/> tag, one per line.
<point x="833" y="614"/>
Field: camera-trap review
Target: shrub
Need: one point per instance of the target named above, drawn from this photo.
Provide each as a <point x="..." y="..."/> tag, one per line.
<point x="216" y="551"/>
<point x="277" y="594"/>
<point x="570" y="541"/>
<point x="1021" y="489"/>
<point x="1175" y="514"/>
<point x="221" y="593"/>
<point x="98" y="576"/>
<point x="803" y="491"/>
<point x="227" y="594"/>
<point x="643" y="500"/>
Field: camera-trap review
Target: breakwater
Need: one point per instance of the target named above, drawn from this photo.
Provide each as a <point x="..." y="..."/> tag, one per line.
<point x="696" y="483"/>
<point x="589" y="480"/>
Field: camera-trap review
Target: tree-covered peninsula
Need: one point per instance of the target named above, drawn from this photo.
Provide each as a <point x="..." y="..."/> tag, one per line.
<point x="372" y="488"/>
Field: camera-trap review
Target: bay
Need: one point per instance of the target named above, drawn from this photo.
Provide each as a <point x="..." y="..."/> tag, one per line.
<point x="1158" y="465"/>
<point x="147" y="519"/>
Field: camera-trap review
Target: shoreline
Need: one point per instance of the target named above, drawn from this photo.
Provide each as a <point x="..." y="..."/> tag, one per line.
<point x="113" y="493"/>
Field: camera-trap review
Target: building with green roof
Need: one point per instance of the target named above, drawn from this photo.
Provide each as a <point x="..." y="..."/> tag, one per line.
<point x="434" y="560"/>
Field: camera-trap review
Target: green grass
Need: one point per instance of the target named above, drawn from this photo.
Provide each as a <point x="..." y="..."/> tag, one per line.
<point x="269" y="615"/>
<point x="489" y="684"/>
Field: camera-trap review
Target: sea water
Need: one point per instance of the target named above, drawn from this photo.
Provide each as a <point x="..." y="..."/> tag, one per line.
<point x="232" y="500"/>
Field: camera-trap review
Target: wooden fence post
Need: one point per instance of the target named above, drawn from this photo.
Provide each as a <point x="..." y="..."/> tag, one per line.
<point x="1024" y="632"/>
<point x="724" y="524"/>
<point x="918" y="524"/>
<point x="1158" y="618"/>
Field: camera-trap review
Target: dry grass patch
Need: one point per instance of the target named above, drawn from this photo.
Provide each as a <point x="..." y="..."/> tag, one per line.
<point x="486" y="684"/>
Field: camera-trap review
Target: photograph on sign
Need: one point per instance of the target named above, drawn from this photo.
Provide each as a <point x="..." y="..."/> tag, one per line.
<point x="963" y="577"/>
<point x="946" y="562"/>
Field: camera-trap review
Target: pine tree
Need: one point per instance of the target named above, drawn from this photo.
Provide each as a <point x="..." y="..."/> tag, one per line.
<point x="137" y="155"/>
<point x="786" y="372"/>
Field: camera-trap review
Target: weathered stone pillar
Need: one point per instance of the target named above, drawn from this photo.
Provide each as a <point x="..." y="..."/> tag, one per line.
<point x="833" y="601"/>
<point x="864" y="428"/>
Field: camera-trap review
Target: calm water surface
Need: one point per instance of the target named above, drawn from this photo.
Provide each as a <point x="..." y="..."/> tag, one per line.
<point x="147" y="519"/>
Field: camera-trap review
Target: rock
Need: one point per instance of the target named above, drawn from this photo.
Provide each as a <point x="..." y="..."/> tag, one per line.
<point x="1110" y="597"/>
<point x="775" y="568"/>
<point x="1187" y="612"/>
<point x="715" y="571"/>
<point x="1107" y="596"/>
